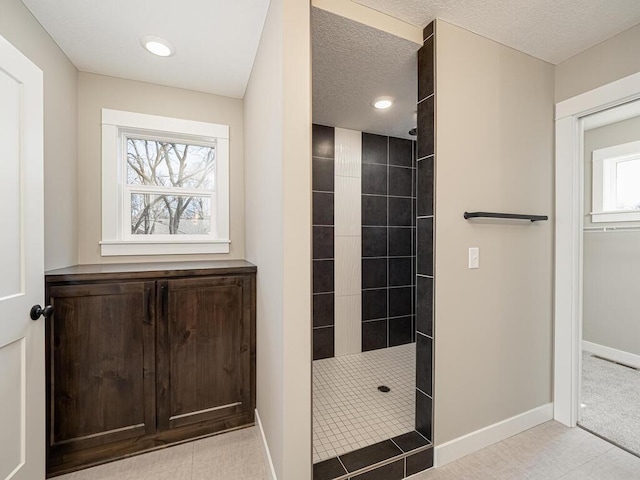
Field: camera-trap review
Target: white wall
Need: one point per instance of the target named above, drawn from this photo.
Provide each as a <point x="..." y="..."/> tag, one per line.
<point x="278" y="231"/>
<point x="20" y="28"/>
<point x="348" y="242"/>
<point x="96" y="92"/>
<point x="611" y="314"/>
<point x="604" y="63"/>
<point x="494" y="152"/>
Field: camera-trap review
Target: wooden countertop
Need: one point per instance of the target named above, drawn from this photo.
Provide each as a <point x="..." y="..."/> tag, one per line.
<point x="149" y="270"/>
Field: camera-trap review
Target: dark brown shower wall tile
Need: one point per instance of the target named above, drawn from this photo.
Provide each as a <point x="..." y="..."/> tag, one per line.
<point x="323" y="276"/>
<point x="425" y="69"/>
<point x="424" y="305"/>
<point x="328" y="469"/>
<point x="400" y="212"/>
<point x="424" y="363"/>
<point x="323" y="141"/>
<point x="428" y="30"/>
<point x="367" y="456"/>
<point x="400" y="301"/>
<point x="400" y="331"/>
<point x="323" y="343"/>
<point x="374" y="179"/>
<point x="374" y="304"/>
<point x="374" y="335"/>
<point x="322" y="208"/>
<point x="323" y="174"/>
<point x="323" y="309"/>
<point x="374" y="148"/>
<point x="400" y="181"/>
<point x="419" y="461"/>
<point x="400" y="152"/>
<point x="424" y="411"/>
<point x="399" y="241"/>
<point x="323" y="243"/>
<point x="374" y="241"/>
<point x="392" y="471"/>
<point x="410" y="441"/>
<point x="400" y="272"/>
<point x="425" y="246"/>
<point x="425" y="186"/>
<point x="425" y="128"/>
<point x="374" y="272"/>
<point x="374" y="210"/>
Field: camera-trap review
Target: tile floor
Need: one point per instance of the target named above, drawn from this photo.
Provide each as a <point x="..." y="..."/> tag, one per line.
<point x="236" y="455"/>
<point x="547" y="452"/>
<point x="550" y="451"/>
<point x="348" y="410"/>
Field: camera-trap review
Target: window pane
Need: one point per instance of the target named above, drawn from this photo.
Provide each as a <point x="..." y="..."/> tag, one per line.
<point x="170" y="164"/>
<point x="628" y="185"/>
<point x="170" y="215"/>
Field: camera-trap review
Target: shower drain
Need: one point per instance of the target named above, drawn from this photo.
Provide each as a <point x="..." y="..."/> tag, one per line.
<point x="384" y="389"/>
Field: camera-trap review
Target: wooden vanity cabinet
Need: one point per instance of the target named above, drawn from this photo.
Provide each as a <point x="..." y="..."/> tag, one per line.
<point x="141" y="357"/>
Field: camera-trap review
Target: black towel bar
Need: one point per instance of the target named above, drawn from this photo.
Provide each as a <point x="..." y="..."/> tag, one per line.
<point x="515" y="216"/>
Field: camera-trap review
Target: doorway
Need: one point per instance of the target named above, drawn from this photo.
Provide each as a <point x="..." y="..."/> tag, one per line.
<point x="590" y="372"/>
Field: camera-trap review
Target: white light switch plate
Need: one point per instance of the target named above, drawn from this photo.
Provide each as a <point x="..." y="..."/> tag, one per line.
<point x="474" y="257"/>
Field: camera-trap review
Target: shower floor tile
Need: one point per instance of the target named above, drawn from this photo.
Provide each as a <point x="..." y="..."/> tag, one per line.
<point x="348" y="410"/>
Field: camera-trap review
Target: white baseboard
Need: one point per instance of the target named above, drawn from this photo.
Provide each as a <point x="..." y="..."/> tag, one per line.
<point x="271" y="471"/>
<point x="474" y="441"/>
<point x="612" y="354"/>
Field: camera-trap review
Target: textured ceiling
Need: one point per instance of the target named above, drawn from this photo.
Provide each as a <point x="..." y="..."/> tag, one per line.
<point x="552" y="30"/>
<point x="215" y="40"/>
<point x="352" y="65"/>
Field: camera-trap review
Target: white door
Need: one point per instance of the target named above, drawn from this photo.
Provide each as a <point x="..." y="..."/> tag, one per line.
<point x="22" y="380"/>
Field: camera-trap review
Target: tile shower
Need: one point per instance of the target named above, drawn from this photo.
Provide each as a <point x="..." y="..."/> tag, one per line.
<point x="373" y="276"/>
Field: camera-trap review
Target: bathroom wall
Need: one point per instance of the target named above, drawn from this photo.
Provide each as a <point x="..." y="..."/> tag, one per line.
<point x="388" y="233"/>
<point x="494" y="148"/>
<point x="96" y="92"/>
<point x="363" y="241"/>
<point x="277" y="141"/>
<point x="23" y="31"/>
<point x="611" y="260"/>
<point x="424" y="214"/>
<point x="604" y="63"/>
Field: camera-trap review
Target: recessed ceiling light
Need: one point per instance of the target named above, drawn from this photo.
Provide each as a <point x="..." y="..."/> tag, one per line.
<point x="383" y="103"/>
<point x="158" y="46"/>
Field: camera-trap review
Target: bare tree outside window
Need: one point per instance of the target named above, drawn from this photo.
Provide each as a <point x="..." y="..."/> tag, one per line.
<point x="185" y="177"/>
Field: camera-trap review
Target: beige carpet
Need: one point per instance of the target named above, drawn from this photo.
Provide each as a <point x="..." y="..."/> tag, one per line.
<point x="611" y="401"/>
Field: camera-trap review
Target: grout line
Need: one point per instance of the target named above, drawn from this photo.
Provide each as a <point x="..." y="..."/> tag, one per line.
<point x="426" y="98"/>
<point x="386" y="196"/>
<point x="422" y="217"/>
<point x="426" y="157"/>
<point x="325" y="326"/>
<point x="430" y="442"/>
<point x="424" y="393"/>
<point x="388" y="221"/>
<point x="324" y="191"/>
<point x="422" y="274"/>
<point x="424" y="334"/>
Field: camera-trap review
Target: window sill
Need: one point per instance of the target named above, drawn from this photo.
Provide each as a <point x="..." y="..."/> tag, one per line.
<point x="621" y="216"/>
<point x="110" y="248"/>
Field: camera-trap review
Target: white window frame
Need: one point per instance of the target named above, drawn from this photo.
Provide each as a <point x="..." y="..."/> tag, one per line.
<point x="604" y="162"/>
<point x="117" y="239"/>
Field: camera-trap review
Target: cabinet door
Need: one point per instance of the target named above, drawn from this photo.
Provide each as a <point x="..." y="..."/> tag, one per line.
<point x="101" y="365"/>
<point x="205" y="351"/>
